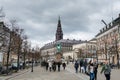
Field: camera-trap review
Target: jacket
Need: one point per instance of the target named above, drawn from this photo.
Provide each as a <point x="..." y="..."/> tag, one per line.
<point x="106" y="68"/>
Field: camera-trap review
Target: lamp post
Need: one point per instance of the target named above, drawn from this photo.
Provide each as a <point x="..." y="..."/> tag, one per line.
<point x="47" y="58"/>
<point x="25" y="50"/>
<point x="97" y="55"/>
<point x="32" y="59"/>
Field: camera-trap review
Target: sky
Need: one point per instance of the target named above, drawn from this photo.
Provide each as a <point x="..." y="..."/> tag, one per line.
<point x="80" y="19"/>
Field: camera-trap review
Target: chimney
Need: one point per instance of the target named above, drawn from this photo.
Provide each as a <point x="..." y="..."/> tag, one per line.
<point x="106" y="27"/>
<point x="119" y="14"/>
<point x="103" y="29"/>
<point x="80" y="40"/>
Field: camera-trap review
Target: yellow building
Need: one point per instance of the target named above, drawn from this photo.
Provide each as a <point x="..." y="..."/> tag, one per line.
<point x="86" y="49"/>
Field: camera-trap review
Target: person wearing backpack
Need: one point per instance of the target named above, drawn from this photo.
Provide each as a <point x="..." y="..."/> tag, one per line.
<point x="107" y="70"/>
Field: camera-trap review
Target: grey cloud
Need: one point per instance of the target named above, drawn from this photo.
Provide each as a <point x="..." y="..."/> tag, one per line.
<point x="74" y="15"/>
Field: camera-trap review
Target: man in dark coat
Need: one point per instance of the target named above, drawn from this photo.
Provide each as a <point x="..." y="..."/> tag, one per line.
<point x="59" y="63"/>
<point x="76" y="65"/>
<point x="47" y="65"/>
<point x="54" y="66"/>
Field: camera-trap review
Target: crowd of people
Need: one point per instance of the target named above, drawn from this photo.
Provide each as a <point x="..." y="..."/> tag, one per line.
<point x="91" y="68"/>
<point x="53" y="66"/>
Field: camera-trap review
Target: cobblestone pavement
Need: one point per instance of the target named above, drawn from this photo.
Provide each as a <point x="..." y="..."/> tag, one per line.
<point x="69" y="74"/>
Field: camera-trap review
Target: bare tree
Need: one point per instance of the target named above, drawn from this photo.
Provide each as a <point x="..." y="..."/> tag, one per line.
<point x="16" y="40"/>
<point x="25" y="49"/>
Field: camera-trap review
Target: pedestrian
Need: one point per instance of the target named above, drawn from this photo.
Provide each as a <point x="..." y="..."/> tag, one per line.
<point x="81" y="65"/>
<point x="76" y="65"/>
<point x="64" y="65"/>
<point x="50" y="65"/>
<point x="54" y="66"/>
<point x="91" y="67"/>
<point x="95" y="69"/>
<point x="59" y="63"/>
<point x="107" y="70"/>
<point x="85" y="65"/>
<point x="46" y="65"/>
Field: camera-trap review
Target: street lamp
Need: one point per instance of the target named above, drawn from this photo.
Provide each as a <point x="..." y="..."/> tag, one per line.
<point x="32" y="59"/>
<point x="97" y="54"/>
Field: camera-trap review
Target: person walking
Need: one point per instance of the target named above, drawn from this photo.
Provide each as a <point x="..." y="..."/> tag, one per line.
<point x="64" y="65"/>
<point x="76" y="65"/>
<point x="107" y="70"/>
<point x="59" y="63"/>
<point x="54" y="66"/>
<point x="50" y="65"/>
<point x="85" y="65"/>
<point x="91" y="70"/>
<point x="95" y="69"/>
<point x="81" y="65"/>
<point x="47" y="65"/>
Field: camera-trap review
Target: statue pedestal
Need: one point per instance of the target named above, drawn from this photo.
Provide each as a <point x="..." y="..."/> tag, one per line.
<point x="58" y="57"/>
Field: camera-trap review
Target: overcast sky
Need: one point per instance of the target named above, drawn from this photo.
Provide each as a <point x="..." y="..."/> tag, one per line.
<point x="80" y="19"/>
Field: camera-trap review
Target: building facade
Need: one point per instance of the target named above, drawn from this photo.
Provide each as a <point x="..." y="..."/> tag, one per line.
<point x="108" y="42"/>
<point x="49" y="50"/>
<point x="86" y="49"/>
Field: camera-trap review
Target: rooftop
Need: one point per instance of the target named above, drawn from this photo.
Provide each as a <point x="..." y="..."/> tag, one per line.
<point x="109" y="26"/>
